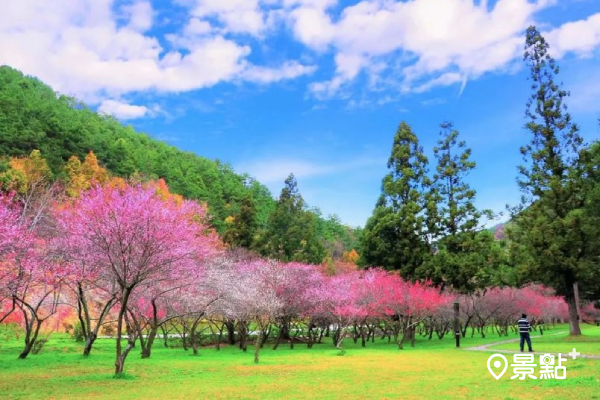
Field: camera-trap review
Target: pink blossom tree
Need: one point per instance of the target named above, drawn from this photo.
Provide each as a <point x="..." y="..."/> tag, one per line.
<point x="297" y="279"/>
<point x="254" y="296"/>
<point x="93" y="292"/>
<point x="30" y="274"/>
<point x="403" y="304"/>
<point x="338" y="302"/>
<point x="15" y="250"/>
<point x="197" y="301"/>
<point x="133" y="236"/>
<point x="39" y="295"/>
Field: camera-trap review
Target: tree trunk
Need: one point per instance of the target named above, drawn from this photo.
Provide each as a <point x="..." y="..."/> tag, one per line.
<point x="85" y="318"/>
<point x="165" y="336"/>
<point x="230" y="324"/>
<point x="243" y="334"/>
<point x="121" y="355"/>
<point x="265" y="336"/>
<point x="321" y="335"/>
<point x="257" y="346"/>
<point x="285" y="329"/>
<point x="218" y="345"/>
<point x="30" y="340"/>
<point x="309" y="343"/>
<point x="355" y="333"/>
<point x="32" y="328"/>
<point x="576" y="294"/>
<point x="147" y="350"/>
<point x="363" y="336"/>
<point x="278" y="340"/>
<point x="575" y="330"/>
<point x="464" y="330"/>
<point x="89" y="342"/>
<point x="194" y="336"/>
<point x="26" y="350"/>
<point x="339" y="340"/>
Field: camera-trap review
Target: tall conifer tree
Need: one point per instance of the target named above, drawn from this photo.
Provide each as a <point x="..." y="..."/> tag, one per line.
<point x="547" y="226"/>
<point x="395" y="237"/>
<point x="462" y="246"/>
<point x="292" y="233"/>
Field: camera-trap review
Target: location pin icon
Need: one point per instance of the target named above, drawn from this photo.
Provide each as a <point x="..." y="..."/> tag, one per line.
<point x="496" y="365"/>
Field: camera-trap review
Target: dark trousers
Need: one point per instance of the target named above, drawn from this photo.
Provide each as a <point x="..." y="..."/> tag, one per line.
<point x="525" y="337"/>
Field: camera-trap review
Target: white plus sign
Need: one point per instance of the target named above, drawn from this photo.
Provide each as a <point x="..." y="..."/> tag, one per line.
<point x="574" y="354"/>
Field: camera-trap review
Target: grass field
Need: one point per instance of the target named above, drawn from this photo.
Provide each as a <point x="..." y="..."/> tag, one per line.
<point x="589" y="343"/>
<point x="432" y="369"/>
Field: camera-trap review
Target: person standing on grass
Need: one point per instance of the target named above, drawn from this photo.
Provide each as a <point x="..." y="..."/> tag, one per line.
<point x="524" y="328"/>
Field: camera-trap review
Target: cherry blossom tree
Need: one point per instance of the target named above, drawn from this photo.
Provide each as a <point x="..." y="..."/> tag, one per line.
<point x="338" y="302"/>
<point x="254" y="296"/>
<point x="39" y="297"/>
<point x="133" y="236"/>
<point x="31" y="274"/>
<point x="15" y="250"/>
<point x="500" y="308"/>
<point x="297" y="279"/>
<point x="403" y="304"/>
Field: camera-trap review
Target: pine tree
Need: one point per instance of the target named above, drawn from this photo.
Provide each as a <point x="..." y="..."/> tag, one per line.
<point x="462" y="245"/>
<point x="395" y="237"/>
<point x="547" y="226"/>
<point x="244" y="226"/>
<point x="590" y="215"/>
<point x="292" y="234"/>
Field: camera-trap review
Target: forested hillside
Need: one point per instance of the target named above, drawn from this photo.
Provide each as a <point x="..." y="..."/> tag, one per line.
<point x="34" y="117"/>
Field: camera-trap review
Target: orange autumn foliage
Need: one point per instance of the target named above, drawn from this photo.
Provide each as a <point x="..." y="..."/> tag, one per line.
<point x="162" y="190"/>
<point x="350" y="256"/>
<point x="27" y="174"/>
<point x="83" y="176"/>
<point x="337" y="267"/>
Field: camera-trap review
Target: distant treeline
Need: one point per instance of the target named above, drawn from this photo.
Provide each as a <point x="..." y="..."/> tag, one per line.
<point x="35" y="117"/>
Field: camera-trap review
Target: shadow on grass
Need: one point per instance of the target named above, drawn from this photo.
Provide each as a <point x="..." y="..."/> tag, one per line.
<point x="124" y="376"/>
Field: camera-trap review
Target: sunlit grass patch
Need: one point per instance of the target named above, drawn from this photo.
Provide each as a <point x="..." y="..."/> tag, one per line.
<point x="588" y="343"/>
<point x="432" y="369"/>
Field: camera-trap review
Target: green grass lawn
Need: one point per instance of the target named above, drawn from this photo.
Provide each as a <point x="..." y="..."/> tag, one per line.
<point x="432" y="369"/>
<point x="588" y="343"/>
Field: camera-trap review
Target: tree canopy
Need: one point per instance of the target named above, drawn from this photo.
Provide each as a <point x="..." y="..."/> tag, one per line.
<point x="81" y="147"/>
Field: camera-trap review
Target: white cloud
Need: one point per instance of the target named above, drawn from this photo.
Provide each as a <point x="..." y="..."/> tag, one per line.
<point x="585" y="92"/>
<point x="288" y="70"/>
<point x="443" y="80"/>
<point x="237" y="16"/>
<point x="83" y="48"/>
<point x="122" y="110"/>
<point x="460" y="34"/>
<point x="140" y="15"/>
<point x="580" y="37"/>
<point x="197" y="27"/>
<point x="430" y="42"/>
<point x="274" y="170"/>
<point x="312" y="26"/>
<point x="98" y="49"/>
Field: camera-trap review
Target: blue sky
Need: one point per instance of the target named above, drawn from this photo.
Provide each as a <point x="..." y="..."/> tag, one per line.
<point x="313" y="87"/>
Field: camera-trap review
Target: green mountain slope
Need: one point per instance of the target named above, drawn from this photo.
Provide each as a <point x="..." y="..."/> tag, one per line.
<point x="33" y="116"/>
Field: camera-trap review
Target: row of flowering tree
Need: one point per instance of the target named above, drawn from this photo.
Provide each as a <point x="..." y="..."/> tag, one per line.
<point x="496" y="309"/>
<point x="139" y="260"/>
